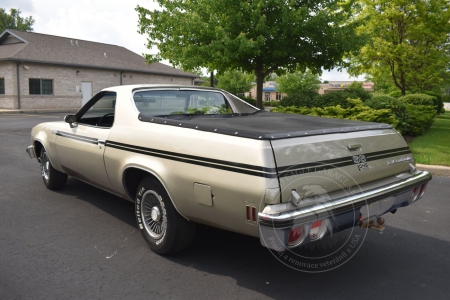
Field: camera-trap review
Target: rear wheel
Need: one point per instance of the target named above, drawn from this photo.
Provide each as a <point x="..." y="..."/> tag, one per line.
<point x="53" y="179"/>
<point x="162" y="227"/>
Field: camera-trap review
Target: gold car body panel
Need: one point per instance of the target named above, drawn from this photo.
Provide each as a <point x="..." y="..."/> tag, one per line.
<point x="165" y="152"/>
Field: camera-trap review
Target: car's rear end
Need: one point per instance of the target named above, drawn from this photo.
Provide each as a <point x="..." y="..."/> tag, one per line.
<point x="334" y="181"/>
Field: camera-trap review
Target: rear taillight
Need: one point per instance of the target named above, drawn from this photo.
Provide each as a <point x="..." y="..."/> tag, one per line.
<point x="414" y="194"/>
<point x="417" y="193"/>
<point x="318" y="230"/>
<point x="422" y="190"/>
<point x="297" y="235"/>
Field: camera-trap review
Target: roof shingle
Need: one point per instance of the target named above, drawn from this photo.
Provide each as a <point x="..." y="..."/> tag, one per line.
<point x="68" y="51"/>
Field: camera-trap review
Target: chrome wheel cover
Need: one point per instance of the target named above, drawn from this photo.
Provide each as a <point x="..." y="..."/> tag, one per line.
<point x="154" y="214"/>
<point x="45" y="166"/>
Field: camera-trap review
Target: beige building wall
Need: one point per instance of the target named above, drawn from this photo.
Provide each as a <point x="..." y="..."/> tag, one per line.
<point x="67" y="84"/>
<point x="267" y="96"/>
<point x="333" y="86"/>
<point x="8" y="72"/>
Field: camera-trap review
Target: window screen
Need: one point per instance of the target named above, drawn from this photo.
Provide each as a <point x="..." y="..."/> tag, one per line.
<point x="2" y="85"/>
<point x="41" y="86"/>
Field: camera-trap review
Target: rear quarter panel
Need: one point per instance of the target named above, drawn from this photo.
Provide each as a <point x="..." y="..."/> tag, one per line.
<point x="231" y="189"/>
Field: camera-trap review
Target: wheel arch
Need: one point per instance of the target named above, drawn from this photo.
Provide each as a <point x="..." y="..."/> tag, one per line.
<point x="132" y="176"/>
<point x="38" y="145"/>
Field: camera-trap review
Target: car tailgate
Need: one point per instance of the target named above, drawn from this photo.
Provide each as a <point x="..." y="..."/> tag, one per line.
<point x="319" y="164"/>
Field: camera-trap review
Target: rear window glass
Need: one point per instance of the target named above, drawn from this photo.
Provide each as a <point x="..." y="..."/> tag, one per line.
<point x="163" y="103"/>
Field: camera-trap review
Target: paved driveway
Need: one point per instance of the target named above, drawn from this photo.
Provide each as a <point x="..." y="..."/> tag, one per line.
<point x="82" y="243"/>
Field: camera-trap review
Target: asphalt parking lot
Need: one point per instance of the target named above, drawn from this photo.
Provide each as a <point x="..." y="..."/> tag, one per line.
<point x="82" y="243"/>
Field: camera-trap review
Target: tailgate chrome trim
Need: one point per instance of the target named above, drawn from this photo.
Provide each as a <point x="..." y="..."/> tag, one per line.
<point x="337" y="206"/>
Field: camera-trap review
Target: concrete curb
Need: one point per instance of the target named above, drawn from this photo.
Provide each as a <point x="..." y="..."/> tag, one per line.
<point x="37" y="111"/>
<point x="435" y="170"/>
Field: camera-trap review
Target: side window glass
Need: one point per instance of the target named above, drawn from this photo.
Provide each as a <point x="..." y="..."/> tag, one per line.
<point x="99" y="112"/>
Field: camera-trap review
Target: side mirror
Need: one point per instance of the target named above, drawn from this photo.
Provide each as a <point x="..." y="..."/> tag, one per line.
<point x="70" y="119"/>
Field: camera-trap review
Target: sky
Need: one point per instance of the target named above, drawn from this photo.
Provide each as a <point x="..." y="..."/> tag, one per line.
<point x="105" y="21"/>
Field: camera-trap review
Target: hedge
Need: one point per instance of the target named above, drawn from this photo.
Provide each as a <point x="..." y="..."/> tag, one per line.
<point x="408" y="119"/>
<point x="355" y="110"/>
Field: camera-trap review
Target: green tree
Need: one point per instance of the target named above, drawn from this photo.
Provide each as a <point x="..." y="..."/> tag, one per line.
<point x="13" y="20"/>
<point x="408" y="39"/>
<point x="259" y="37"/>
<point x="235" y="81"/>
<point x="271" y="77"/>
<point x="298" y="82"/>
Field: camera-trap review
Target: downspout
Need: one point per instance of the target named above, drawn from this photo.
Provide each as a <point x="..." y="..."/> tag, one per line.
<point x="18" y="85"/>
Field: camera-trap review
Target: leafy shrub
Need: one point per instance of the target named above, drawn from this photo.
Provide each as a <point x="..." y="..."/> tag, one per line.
<point x="395" y="94"/>
<point x="273" y="103"/>
<point x="409" y="119"/>
<point x="398" y="108"/>
<point x="250" y="100"/>
<point x="358" y="91"/>
<point x="334" y="99"/>
<point x="437" y="100"/>
<point x="305" y="98"/>
<point x="419" y="119"/>
<point x="418" y="99"/>
<point x="355" y="110"/>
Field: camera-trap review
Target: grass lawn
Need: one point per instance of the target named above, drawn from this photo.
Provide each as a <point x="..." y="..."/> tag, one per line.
<point x="433" y="147"/>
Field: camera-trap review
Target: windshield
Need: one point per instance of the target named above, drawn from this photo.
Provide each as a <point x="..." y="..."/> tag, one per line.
<point x="161" y="103"/>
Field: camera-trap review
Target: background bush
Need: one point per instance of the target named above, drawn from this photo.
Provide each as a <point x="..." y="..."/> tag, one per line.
<point x="437" y="100"/>
<point x="305" y="98"/>
<point x="398" y="108"/>
<point x="419" y="119"/>
<point x="273" y="103"/>
<point x="355" y="110"/>
<point x="358" y="91"/>
<point x="418" y="99"/>
<point x="408" y="119"/>
<point x="250" y="100"/>
<point x="395" y="94"/>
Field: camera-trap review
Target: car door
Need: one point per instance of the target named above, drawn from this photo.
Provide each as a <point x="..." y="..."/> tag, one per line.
<point x="80" y="148"/>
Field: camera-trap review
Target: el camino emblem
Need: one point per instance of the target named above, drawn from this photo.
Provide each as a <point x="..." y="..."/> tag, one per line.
<point x="396" y="161"/>
<point x="357" y="159"/>
<point x="360" y="160"/>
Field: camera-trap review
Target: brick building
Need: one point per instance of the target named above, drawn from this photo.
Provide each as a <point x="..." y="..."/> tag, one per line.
<point x="44" y="71"/>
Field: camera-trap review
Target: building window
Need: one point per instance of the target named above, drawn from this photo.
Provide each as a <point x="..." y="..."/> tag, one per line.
<point x="267" y="96"/>
<point x="249" y="94"/>
<point x="278" y="96"/>
<point x="41" y="86"/>
<point x="2" y="85"/>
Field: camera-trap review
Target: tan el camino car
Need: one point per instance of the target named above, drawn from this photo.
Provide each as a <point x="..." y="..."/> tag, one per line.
<point x="187" y="155"/>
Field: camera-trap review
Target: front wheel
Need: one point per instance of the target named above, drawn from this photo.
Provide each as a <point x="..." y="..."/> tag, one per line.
<point x="163" y="228"/>
<point x="53" y="179"/>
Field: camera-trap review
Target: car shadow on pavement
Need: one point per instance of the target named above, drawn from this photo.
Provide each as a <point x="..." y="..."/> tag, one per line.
<point x="113" y="205"/>
<point x="395" y="264"/>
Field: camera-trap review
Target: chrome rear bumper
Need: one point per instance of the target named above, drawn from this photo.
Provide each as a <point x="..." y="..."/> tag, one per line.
<point x="278" y="219"/>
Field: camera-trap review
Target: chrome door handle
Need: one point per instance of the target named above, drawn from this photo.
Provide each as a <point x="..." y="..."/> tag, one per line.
<point x="101" y="143"/>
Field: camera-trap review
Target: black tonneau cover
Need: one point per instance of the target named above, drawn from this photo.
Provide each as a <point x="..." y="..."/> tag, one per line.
<point x="264" y="125"/>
